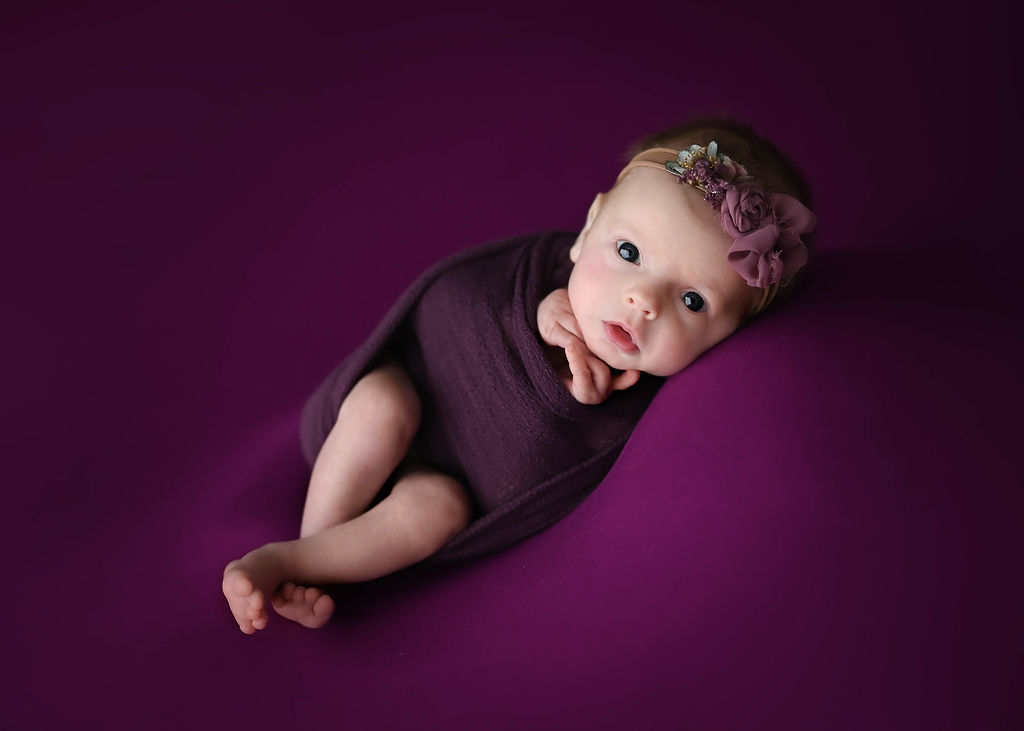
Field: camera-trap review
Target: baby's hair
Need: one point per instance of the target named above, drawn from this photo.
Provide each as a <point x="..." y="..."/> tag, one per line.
<point x="771" y="168"/>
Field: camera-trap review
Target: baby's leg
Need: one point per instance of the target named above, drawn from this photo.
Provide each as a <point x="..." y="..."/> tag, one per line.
<point x="424" y="510"/>
<point x="376" y="424"/>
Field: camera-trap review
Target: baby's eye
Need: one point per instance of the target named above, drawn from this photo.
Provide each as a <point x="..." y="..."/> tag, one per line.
<point x="694" y="302"/>
<point x="629" y="252"/>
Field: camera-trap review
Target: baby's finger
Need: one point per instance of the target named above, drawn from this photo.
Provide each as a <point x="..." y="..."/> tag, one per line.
<point x="561" y="337"/>
<point x="583" y="388"/>
<point x="601" y="375"/>
<point x="570" y="323"/>
<point x="555" y="334"/>
<point x="625" y="379"/>
<point x="577" y="361"/>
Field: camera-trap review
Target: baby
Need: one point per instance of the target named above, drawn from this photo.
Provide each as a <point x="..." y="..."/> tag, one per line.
<point x="447" y="442"/>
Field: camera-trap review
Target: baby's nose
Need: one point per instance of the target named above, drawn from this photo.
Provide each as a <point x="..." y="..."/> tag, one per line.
<point x="645" y="303"/>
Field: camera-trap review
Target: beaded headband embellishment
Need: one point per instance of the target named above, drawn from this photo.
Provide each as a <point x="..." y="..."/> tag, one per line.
<point x="767" y="249"/>
<point x="707" y="171"/>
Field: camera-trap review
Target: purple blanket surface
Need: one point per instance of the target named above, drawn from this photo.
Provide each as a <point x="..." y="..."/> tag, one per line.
<point x="815" y="526"/>
<point x="495" y="414"/>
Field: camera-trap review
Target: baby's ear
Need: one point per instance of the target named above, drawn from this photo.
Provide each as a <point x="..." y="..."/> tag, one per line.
<point x="595" y="207"/>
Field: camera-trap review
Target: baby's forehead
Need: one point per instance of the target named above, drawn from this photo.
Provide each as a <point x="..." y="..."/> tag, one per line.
<point x="632" y="176"/>
<point x="645" y="193"/>
<point x="650" y="180"/>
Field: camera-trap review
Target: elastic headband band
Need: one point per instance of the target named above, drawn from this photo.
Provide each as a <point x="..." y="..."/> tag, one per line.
<point x="650" y="158"/>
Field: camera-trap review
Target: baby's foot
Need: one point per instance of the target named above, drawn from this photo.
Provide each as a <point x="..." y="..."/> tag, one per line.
<point x="246" y="585"/>
<point x="306" y="605"/>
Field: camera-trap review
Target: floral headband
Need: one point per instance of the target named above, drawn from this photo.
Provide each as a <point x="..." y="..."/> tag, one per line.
<point x="766" y="246"/>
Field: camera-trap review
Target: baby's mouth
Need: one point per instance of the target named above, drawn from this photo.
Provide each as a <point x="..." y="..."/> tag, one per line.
<point x="620" y="337"/>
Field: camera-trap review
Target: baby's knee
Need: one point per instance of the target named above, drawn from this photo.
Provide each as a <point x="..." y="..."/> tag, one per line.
<point x="386" y="393"/>
<point x="442" y="500"/>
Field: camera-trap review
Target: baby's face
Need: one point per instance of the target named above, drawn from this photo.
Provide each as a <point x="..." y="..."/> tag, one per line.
<point x="651" y="287"/>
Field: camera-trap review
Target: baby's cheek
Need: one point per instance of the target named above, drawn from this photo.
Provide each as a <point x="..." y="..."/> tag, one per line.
<point x="589" y="273"/>
<point x="726" y="327"/>
<point x="584" y="290"/>
<point x="593" y="338"/>
<point x="680" y="352"/>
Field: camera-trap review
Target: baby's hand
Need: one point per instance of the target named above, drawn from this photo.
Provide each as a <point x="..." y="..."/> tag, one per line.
<point x="556" y="322"/>
<point x="589" y="379"/>
<point x="592" y="379"/>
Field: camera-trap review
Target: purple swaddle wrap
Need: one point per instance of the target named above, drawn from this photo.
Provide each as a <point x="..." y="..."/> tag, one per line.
<point x="495" y="414"/>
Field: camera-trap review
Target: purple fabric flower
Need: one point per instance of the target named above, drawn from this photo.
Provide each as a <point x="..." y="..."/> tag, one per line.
<point x="766" y="234"/>
<point x="748" y="208"/>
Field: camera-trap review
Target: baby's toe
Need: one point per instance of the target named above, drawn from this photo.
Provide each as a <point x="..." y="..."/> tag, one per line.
<point x="282" y="596"/>
<point x="324" y="606"/>
<point x="238" y="584"/>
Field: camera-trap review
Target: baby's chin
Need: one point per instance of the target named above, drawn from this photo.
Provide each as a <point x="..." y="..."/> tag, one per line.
<point x="637" y="361"/>
<point x="664" y="370"/>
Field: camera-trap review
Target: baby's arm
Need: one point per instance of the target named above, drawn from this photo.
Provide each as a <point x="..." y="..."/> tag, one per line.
<point x="589" y="379"/>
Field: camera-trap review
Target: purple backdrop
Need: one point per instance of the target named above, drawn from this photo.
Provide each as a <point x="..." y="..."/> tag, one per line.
<point x="206" y="206"/>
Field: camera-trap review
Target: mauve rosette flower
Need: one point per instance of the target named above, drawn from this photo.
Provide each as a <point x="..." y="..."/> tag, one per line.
<point x="756" y="257"/>
<point x="795" y="220"/>
<point x="766" y="234"/>
<point x="745" y="209"/>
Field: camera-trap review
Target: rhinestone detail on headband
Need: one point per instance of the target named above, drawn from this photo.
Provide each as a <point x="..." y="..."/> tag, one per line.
<point x="707" y="171"/>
